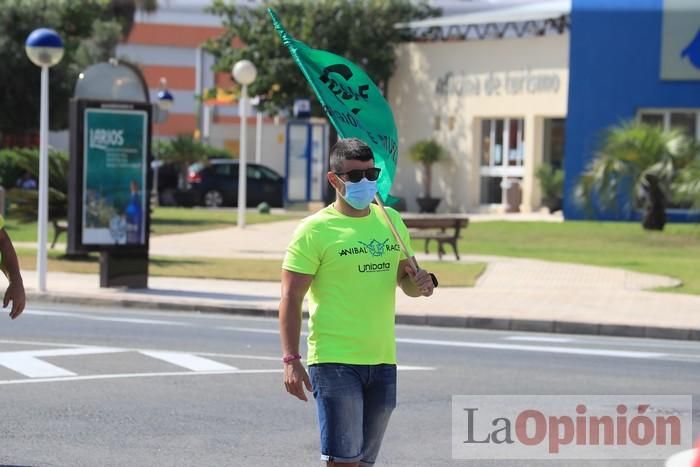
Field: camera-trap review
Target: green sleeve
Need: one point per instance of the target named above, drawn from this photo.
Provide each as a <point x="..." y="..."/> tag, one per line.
<point x="303" y="251"/>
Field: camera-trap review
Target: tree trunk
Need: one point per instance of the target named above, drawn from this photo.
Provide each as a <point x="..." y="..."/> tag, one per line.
<point x="654" y="205"/>
<point x="182" y="177"/>
<point x="428" y="180"/>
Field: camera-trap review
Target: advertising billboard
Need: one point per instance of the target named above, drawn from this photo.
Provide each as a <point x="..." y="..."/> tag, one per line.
<point x="114" y="183"/>
<point x="680" y="40"/>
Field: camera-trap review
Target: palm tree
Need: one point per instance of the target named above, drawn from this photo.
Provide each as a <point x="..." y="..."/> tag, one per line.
<point x="184" y="150"/>
<point x="639" y="161"/>
<point x="686" y="188"/>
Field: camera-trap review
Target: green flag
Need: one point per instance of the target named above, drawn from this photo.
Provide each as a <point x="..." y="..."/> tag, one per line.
<point x="352" y="102"/>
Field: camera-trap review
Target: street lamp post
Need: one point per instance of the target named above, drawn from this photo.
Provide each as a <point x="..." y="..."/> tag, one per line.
<point x="244" y="73"/>
<point x="165" y="102"/>
<point x="44" y="48"/>
<point x="258" y="136"/>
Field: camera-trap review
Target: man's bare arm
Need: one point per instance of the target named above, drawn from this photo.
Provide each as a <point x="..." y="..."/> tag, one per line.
<point x="294" y="288"/>
<point x="10" y="267"/>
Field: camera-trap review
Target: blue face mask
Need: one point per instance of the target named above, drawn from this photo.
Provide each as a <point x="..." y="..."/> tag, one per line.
<point x="360" y="194"/>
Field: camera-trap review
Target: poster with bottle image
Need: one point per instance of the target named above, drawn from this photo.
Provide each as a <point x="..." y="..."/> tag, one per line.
<point x="115" y="155"/>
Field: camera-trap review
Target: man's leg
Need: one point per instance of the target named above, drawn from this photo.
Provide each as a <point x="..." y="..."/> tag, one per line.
<point x="380" y="401"/>
<point x="337" y="389"/>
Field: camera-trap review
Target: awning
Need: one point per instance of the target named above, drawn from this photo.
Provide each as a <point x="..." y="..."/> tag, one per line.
<point x="536" y="11"/>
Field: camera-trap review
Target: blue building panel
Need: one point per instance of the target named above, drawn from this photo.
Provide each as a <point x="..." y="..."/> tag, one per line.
<point x="615" y="70"/>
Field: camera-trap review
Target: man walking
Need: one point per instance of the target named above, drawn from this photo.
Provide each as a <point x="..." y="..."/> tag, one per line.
<point x="347" y="258"/>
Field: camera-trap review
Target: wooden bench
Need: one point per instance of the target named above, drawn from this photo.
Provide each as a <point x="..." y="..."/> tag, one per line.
<point x="443" y="228"/>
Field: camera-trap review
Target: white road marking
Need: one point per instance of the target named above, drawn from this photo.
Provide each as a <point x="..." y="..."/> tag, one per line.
<point x="133" y="349"/>
<point x="229" y="355"/>
<point x="255" y="330"/>
<point x="136" y="375"/>
<point x="536" y="348"/>
<point x="32" y="367"/>
<point x="88" y="350"/>
<point x="42" y="343"/>
<point x="560" y="340"/>
<point x="64" y="314"/>
<point x="189" y="361"/>
<point x="414" y="368"/>
<point x="162" y="374"/>
<point x="516" y="347"/>
<point x="25" y="362"/>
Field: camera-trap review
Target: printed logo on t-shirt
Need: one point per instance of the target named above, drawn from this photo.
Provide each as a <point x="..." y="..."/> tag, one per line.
<point x="373" y="248"/>
<point x="374" y="267"/>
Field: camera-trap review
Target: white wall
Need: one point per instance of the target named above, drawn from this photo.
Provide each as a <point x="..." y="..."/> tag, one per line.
<point x="538" y="64"/>
<point x="273" y="142"/>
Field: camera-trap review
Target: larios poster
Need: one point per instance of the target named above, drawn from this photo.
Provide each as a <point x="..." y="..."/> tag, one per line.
<point x="114" y="178"/>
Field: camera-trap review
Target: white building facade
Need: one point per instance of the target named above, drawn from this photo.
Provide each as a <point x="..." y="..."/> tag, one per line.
<point x="497" y="106"/>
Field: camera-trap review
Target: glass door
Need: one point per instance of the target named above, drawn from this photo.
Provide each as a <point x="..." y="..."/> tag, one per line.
<point x="502" y="160"/>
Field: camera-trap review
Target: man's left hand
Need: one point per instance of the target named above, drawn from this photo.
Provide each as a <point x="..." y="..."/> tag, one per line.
<point x="422" y="280"/>
<point x="15" y="294"/>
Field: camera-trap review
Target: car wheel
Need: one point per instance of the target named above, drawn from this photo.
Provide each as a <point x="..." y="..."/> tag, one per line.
<point x="213" y="199"/>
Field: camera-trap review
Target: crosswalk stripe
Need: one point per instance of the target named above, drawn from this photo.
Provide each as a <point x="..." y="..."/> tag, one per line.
<point x="70" y="352"/>
<point x="189" y="361"/>
<point x="31" y="367"/>
<point x="138" y="375"/>
<point x="25" y="362"/>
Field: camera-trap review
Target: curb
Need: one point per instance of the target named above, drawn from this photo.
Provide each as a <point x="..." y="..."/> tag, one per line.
<point x="472" y="322"/>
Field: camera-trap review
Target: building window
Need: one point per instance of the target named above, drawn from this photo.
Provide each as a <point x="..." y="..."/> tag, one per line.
<point x="554" y="138"/>
<point x="486" y="142"/>
<point x="652" y="119"/>
<point x="502" y="142"/>
<point x="687" y="121"/>
<point x="497" y="151"/>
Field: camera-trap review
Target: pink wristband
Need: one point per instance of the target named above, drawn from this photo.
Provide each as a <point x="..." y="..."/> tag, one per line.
<point x="291" y="358"/>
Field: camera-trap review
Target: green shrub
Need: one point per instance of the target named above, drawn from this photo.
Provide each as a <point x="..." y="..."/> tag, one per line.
<point x="551" y="181"/>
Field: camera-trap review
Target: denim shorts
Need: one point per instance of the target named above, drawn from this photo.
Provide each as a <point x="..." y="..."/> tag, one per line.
<point x="354" y="405"/>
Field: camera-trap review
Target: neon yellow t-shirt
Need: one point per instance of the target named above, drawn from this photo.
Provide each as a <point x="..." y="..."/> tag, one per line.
<point x="354" y="261"/>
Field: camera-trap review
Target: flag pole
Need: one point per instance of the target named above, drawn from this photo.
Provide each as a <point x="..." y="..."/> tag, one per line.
<point x="414" y="262"/>
<point x="412" y="259"/>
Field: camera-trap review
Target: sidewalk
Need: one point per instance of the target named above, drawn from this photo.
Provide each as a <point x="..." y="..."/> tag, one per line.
<point x="512" y="294"/>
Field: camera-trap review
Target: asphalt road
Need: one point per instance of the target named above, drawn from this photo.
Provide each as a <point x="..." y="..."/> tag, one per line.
<point x="103" y="387"/>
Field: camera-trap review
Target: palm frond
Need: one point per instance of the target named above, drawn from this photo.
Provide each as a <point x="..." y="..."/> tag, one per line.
<point x="629" y="153"/>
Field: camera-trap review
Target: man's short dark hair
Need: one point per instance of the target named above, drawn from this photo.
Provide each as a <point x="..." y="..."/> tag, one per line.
<point x="349" y="149"/>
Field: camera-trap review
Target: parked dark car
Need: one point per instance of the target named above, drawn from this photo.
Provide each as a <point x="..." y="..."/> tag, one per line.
<point x="215" y="183"/>
<point x="168" y="175"/>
